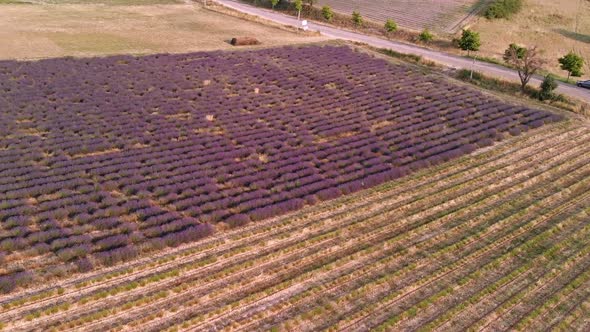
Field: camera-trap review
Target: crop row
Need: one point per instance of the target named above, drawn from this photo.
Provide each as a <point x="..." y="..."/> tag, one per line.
<point x="465" y="172"/>
<point x="494" y="212"/>
<point x="108" y="159"/>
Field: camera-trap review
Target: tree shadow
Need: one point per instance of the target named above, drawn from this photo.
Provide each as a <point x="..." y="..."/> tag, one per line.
<point x="574" y="35"/>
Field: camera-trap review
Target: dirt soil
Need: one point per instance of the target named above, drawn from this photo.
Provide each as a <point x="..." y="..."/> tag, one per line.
<point x="30" y="31"/>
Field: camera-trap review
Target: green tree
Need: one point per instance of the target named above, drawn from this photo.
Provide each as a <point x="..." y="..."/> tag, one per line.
<point x="514" y="49"/>
<point x="357" y="18"/>
<point x="273" y="3"/>
<point x="549" y="84"/>
<point x="572" y="63"/>
<point x="299" y="6"/>
<point x="327" y="13"/>
<point x="390" y="26"/>
<point x="526" y="62"/>
<point x="470" y="42"/>
<point x="426" y="36"/>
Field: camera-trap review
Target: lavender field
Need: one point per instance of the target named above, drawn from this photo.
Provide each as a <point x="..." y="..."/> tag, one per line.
<point x="103" y="158"/>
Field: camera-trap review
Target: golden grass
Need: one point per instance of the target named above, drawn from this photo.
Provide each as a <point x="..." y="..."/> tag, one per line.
<point x="549" y="24"/>
<point x="33" y="31"/>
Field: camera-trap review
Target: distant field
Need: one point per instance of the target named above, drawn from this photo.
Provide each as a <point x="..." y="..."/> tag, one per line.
<point x="114" y="27"/>
<point x="550" y="25"/>
<point x="447" y="16"/>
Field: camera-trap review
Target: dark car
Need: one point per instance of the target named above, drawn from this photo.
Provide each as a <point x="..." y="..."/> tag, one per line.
<point x="584" y="84"/>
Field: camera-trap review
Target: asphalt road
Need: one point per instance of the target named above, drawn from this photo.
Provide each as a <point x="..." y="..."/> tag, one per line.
<point x="442" y="58"/>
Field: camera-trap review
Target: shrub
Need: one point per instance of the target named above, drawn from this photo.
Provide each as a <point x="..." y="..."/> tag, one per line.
<point x="425" y="36"/>
<point x="79" y="251"/>
<point x="465" y="74"/>
<point x="547" y="86"/>
<point x="84" y="265"/>
<point x="7" y="284"/>
<point x="357" y="18"/>
<point x="116" y="255"/>
<point x="390" y="26"/>
<point x="503" y="9"/>
<point x="327" y="13"/>
<point x="238" y="220"/>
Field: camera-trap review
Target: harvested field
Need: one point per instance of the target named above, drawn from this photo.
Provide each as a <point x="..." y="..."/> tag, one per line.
<point x="102" y="159"/>
<point x="497" y="240"/>
<point x="446" y="16"/>
<point x="88" y="28"/>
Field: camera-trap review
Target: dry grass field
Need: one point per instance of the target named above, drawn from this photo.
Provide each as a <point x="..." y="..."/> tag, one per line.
<point x="551" y="25"/>
<point x="58" y="29"/>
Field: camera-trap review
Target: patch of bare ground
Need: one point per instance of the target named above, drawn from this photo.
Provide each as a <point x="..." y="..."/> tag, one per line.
<point x="32" y="31"/>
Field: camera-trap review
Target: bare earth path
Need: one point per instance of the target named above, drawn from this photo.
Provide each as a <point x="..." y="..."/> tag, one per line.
<point x="438" y="57"/>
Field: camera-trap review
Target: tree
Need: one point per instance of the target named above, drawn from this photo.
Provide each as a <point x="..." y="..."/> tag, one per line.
<point x="572" y="63"/>
<point x="549" y="84"/>
<point x="426" y="36"/>
<point x="327" y="13"/>
<point x="299" y="7"/>
<point x="357" y="18"/>
<point x="470" y="42"/>
<point x="526" y="61"/>
<point x="390" y="25"/>
<point x="513" y="47"/>
<point x="273" y="3"/>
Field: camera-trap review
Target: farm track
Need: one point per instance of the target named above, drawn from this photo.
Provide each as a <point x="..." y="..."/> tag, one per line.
<point x="183" y="279"/>
<point x="323" y="261"/>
